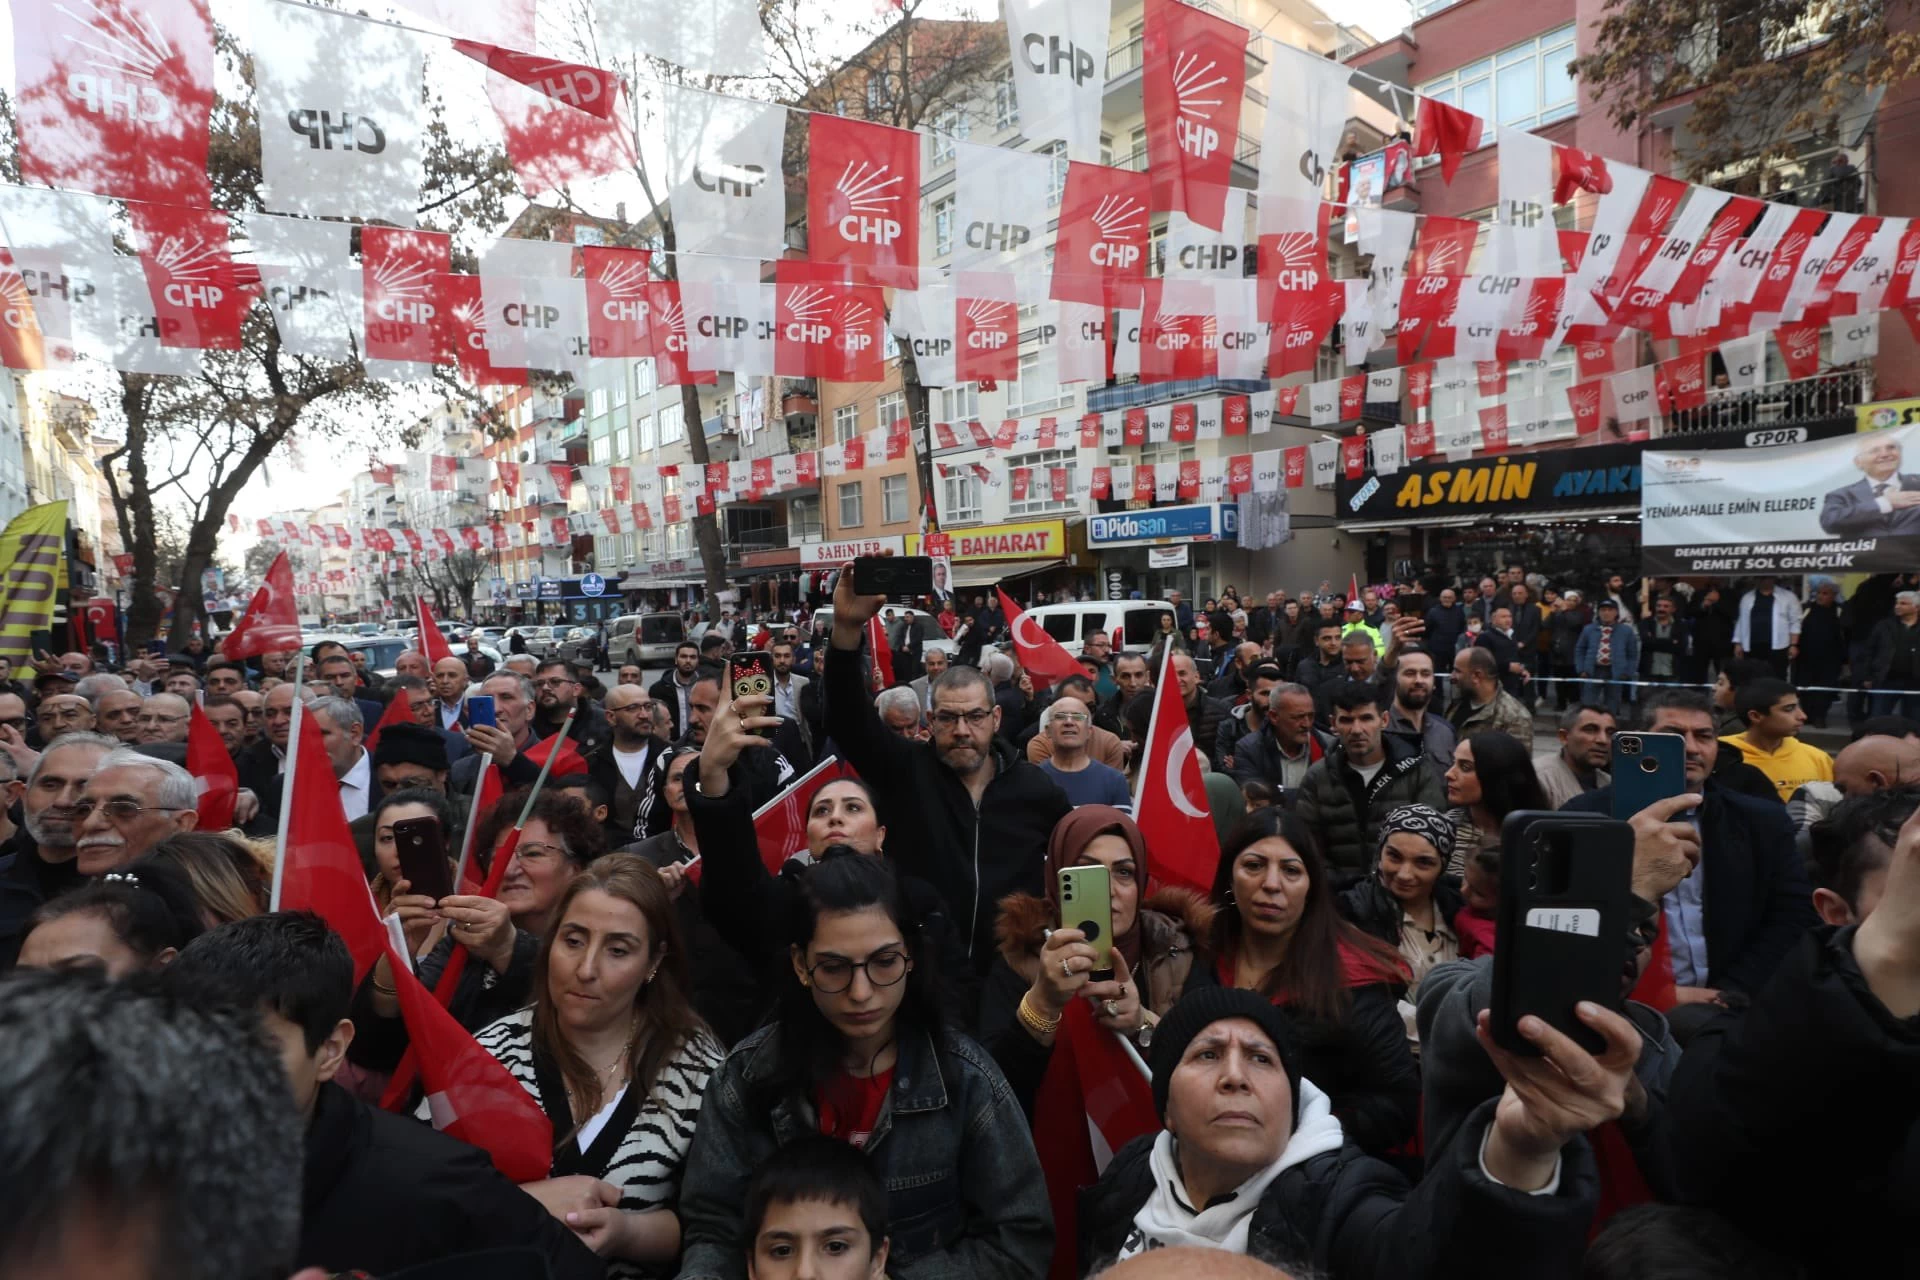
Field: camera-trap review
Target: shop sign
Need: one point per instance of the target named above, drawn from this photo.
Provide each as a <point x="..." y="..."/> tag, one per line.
<point x="1167" y="557"/>
<point x="1203" y="522"/>
<point x="1033" y="540"/>
<point x="1886" y="413"/>
<point x="831" y="555"/>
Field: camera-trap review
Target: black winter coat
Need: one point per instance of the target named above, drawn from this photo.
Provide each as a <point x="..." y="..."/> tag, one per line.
<point x="1346" y="826"/>
<point x="973" y="857"/>
<point x="729" y="989"/>
<point x="1204" y="715"/>
<point x="383" y="1192"/>
<point x="1344" y="1214"/>
<point x="1373" y="910"/>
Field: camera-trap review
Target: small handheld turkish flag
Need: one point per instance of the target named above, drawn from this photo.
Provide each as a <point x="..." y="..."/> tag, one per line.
<point x="215" y="781"/>
<point x="272" y="619"/>
<point x="432" y="643"/>
<point x="1043" y="658"/>
<point x="1170" y="793"/>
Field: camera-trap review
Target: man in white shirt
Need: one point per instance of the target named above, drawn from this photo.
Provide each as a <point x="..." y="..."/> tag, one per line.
<point x="450" y="689"/>
<point x="1768" y="626"/>
<point x="342" y="730"/>
<point x="625" y="763"/>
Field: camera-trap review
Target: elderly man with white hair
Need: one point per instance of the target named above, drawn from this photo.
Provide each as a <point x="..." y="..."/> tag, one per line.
<point x="1883" y="503"/>
<point x="899" y="709"/>
<point x="1893" y="659"/>
<point x="164" y="717"/>
<point x="130" y="803"/>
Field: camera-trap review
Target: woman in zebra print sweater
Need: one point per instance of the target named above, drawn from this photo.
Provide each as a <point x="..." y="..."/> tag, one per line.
<point x="613" y="1051"/>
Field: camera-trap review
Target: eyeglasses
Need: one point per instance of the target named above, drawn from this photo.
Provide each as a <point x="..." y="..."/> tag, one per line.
<point x="1071" y="717"/>
<point x="15" y="722"/>
<point x="157" y="718"/>
<point x="552" y="682"/>
<point x="117" y="810"/>
<point x="834" y="975"/>
<point x="949" y="719"/>
<point x="538" y="853"/>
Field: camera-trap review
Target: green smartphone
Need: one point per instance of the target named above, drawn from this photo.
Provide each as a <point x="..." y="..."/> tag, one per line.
<point x="1086" y="904"/>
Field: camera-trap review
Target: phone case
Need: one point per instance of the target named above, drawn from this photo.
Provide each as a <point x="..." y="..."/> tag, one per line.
<point x="1086" y="904"/>
<point x="480" y="710"/>
<point x="423" y="857"/>
<point x="895" y="577"/>
<point x="1646" y="767"/>
<point x="752" y="673"/>
<point x="1565" y="902"/>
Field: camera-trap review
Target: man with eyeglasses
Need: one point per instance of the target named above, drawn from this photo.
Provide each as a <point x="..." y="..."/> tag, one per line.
<point x="1068" y="725"/>
<point x="164" y="718"/>
<point x="625" y="764"/>
<point x="556" y="691"/>
<point x="253" y="703"/>
<point x="43" y="862"/>
<point x="131" y="803"/>
<point x="964" y="811"/>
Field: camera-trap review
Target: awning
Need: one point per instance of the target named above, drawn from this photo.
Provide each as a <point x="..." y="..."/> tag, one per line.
<point x="1569" y="515"/>
<point x="984" y="573"/>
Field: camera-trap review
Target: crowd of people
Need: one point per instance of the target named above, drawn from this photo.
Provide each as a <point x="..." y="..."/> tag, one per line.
<point x="882" y="1055"/>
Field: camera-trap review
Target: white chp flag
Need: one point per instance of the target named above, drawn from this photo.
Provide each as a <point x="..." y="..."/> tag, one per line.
<point x="313" y="287"/>
<point x="1633" y="397"/>
<point x="1871" y="273"/>
<point x="1662" y="272"/>
<point x="342" y="128"/>
<point x="720" y="36"/>
<point x="1855" y="338"/>
<point x="1806" y="281"/>
<point x="1457" y="438"/>
<point x="1323" y="403"/>
<point x="1000" y="203"/>
<point x="1739" y="273"/>
<point x="729" y="314"/>
<point x="1307" y="108"/>
<point x="1356" y="321"/>
<point x="1386" y="235"/>
<point x="1126" y="344"/>
<point x="62" y="243"/>
<point x="1606" y="242"/>
<point x="723" y="172"/>
<point x="1746" y="361"/>
<point x="1059" y="50"/>
<point x="923" y="318"/>
<point x="1196" y="251"/>
<point x="1389" y="450"/>
<point x="1323" y="459"/>
<point x="1083" y="342"/>
<point x="1523" y="240"/>
<point x="535" y="308"/>
<point x="1243" y="338"/>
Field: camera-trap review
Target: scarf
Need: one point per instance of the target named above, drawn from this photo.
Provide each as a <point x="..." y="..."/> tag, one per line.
<point x="1074" y="833"/>
<point x="1167" y="1220"/>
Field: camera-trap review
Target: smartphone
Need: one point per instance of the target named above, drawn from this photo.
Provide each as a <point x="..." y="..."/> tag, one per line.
<point x="898" y="578"/>
<point x="1565" y="906"/>
<point x="1086" y="904"/>
<point x="751" y="672"/>
<point x="422" y="849"/>
<point x="156" y="648"/>
<point x="480" y="711"/>
<point x="1646" y="767"/>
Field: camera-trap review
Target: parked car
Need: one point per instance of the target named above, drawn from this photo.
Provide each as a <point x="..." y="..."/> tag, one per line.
<point x="541" y="639"/>
<point x="581" y="645"/>
<point x="1071" y="624"/>
<point x="644" y="639"/>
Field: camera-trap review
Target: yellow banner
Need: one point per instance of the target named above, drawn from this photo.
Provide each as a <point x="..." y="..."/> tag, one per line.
<point x="1031" y="540"/>
<point x="1886" y="413"/>
<point x="32" y="549"/>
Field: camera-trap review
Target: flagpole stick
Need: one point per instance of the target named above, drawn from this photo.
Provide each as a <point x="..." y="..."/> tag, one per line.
<point x="473" y="825"/>
<point x="546" y="768"/>
<point x="286" y="784"/>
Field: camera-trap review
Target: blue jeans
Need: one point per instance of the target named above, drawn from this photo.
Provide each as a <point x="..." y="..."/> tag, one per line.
<point x="1896" y="702"/>
<point x="1603" y="693"/>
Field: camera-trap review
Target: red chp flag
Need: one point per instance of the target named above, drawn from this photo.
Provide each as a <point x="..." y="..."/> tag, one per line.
<point x="431" y="642"/>
<point x="1170" y="792"/>
<point x="200" y="296"/>
<point x="401" y="273"/>
<point x="1301" y="322"/>
<point x="464" y="320"/>
<point x="1042" y="657"/>
<point x="1443" y="247"/>
<point x="1799" y="348"/>
<point x="986" y="327"/>
<point x="863" y="199"/>
<point x="1585" y="399"/>
<point x="1447" y="132"/>
<point x="272" y="620"/>
<point x="114" y="97"/>
<point x="216" y="782"/>
<point x="1194" y="78"/>
<point x="1100" y="254"/>
<point x="617" y="303"/>
<point x="1682" y="382"/>
<point x="22" y="343"/>
<point x="584" y="88"/>
<point x="825" y="327"/>
<point x="667" y="333"/>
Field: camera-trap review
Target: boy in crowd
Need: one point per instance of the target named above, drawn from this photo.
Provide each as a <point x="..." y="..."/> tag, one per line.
<point x="1771" y="711"/>
<point x="816" y="1210"/>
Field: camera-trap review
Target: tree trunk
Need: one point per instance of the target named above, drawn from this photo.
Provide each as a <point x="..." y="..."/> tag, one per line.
<point x="134" y="513"/>
<point x="706" y="528"/>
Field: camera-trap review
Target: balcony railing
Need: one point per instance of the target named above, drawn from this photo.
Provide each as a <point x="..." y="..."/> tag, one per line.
<point x="1133" y="395"/>
<point x="810" y="529"/>
<point x="763" y="538"/>
<point x="1834" y="394"/>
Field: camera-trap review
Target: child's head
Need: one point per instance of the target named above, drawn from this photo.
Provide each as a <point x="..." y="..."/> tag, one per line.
<point x="1482" y="887"/>
<point x="816" y="1209"/>
<point x="1258" y="795"/>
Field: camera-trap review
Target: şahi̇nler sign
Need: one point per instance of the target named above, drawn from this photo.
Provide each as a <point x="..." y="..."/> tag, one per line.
<point x="1849" y="504"/>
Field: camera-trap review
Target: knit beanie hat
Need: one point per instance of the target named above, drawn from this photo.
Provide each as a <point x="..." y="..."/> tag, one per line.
<point x="1201" y="1008"/>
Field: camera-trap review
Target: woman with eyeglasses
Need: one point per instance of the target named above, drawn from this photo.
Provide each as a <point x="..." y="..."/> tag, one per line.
<point x="859" y="1049"/>
<point x="615" y="1055"/>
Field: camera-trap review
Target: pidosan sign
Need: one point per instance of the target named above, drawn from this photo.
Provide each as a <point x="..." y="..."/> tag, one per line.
<point x="1038" y="540"/>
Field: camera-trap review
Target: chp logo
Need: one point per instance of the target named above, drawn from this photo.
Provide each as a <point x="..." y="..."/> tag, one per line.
<point x="1197" y="92"/>
<point x="1791" y="246"/>
<point x="343" y="131"/>
<point x="124" y="54"/>
<point x="987" y="324"/>
<point x="1120" y="222"/>
<point x="872" y="216"/>
<point x="405" y="291"/>
<point x="855" y="321"/>
<point x="809" y="309"/>
<point x="1297" y="259"/>
<point x="672" y="319"/>
<point x="1052" y="56"/>
<point x="1419" y="382"/>
<point x="738" y="181"/>
<point x="1801" y="343"/>
<point x="16" y="303"/>
<point x="625" y="282"/>
<point x="190" y="264"/>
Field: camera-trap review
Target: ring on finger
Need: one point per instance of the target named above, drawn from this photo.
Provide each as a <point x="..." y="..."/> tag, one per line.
<point x="1066" y="968"/>
<point x="1112" y="1008"/>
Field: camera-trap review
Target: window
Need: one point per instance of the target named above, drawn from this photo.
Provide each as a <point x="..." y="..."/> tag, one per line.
<point x="943" y="226"/>
<point x="597" y="401"/>
<point x="1057" y="178"/>
<point x="893" y="499"/>
<point x="642" y="377"/>
<point x="1520" y="87"/>
<point x="803" y="518"/>
<point x="1137" y="150"/>
<point x="1040" y="485"/>
<point x="1006" y="109"/>
<point x="959" y="404"/>
<point x="879" y="96"/>
<point x="950" y="126"/>
<point x="600" y="450"/>
<point x="619" y="392"/>
<point x="846" y="423"/>
<point x="893" y="407"/>
<point x="1106" y="149"/>
<point x="622" y="442"/>
<point x="1038" y="388"/>
<point x="649" y="436"/>
<point x="961" y="492"/>
<point x="850" y="505"/>
<point x="673" y="425"/>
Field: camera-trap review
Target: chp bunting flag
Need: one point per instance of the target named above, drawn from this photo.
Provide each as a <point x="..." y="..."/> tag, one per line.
<point x="401" y="272"/>
<point x="464" y="321"/>
<point x="723" y="172"/>
<point x="200" y="295"/>
<point x="552" y="143"/>
<point x="431" y="642"/>
<point x="1170" y="793"/>
<point x="1447" y="132"/>
<point x="617" y="303"/>
<point x="1194" y="78"/>
<point x="863" y="199"/>
<point x="22" y="343"/>
<point x="584" y="88"/>
<point x="826" y="327"/>
<point x="986" y="326"/>
<point x="1041" y="656"/>
<point x="1100" y="252"/>
<point x="272" y="620"/>
<point x="1057" y="79"/>
<point x="216" y="783"/>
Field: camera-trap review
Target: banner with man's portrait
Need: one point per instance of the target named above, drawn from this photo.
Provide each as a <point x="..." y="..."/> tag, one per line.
<point x="1850" y="504"/>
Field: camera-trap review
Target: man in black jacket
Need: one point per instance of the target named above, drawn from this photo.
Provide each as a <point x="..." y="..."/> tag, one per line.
<point x="1446" y="623"/>
<point x="1322" y="670"/>
<point x="673" y="689"/>
<point x="382" y="1192"/>
<point x="963" y="811"/>
<point x="1204" y="713"/>
<point x="556" y="691"/>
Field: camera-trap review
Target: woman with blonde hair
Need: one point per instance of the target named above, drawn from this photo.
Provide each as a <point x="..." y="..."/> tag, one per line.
<point x="229" y="878"/>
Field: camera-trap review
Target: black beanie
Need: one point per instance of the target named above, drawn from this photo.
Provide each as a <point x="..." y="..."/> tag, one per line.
<point x="411" y="744"/>
<point x="1204" y="1006"/>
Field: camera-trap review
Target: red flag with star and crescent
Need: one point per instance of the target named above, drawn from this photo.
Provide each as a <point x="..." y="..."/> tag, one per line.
<point x="1041" y="656"/>
<point x="1170" y="794"/>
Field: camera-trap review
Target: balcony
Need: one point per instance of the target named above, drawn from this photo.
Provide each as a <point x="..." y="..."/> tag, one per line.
<point x="766" y="537"/>
<point x="1834" y="394"/>
<point x="807" y="528"/>
<point x="1134" y="395"/>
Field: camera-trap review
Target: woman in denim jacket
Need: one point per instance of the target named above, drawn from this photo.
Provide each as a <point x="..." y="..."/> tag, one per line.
<point x="859" y="1050"/>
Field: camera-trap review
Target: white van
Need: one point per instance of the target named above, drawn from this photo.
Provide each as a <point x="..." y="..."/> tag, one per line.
<point x="644" y="639"/>
<point x="1071" y="624"/>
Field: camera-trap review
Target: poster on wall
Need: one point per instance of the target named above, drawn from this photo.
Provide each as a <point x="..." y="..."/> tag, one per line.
<point x="1850" y="504"/>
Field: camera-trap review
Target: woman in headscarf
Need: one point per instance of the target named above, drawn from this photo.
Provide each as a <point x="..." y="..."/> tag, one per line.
<point x="1042" y="968"/>
<point x="1410" y="901"/>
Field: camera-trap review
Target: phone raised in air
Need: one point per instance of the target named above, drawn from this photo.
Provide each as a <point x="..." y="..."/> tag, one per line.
<point x="1646" y="767"/>
<point x="1566" y="883"/>
<point x="751" y="672"/>
<point x="422" y="849"/>
<point x="899" y="578"/>
<point x="1086" y="904"/>
<point x="480" y="711"/>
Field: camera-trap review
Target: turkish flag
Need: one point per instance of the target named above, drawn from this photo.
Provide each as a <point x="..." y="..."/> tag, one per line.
<point x="431" y="642"/>
<point x="1443" y="247"/>
<point x="863" y="200"/>
<point x="1799" y="348"/>
<point x="780" y="825"/>
<point x="115" y="97"/>
<point x="1193" y="80"/>
<point x="1095" y="1097"/>
<point x="1170" y="794"/>
<point x="1353" y="456"/>
<point x="1585" y="399"/>
<point x="986" y="327"/>
<point x="216" y="782"/>
<point x="1100" y="251"/>
<point x="103" y="619"/>
<point x="881" y="652"/>
<point x="320" y="864"/>
<point x="272" y="620"/>
<point x="200" y="295"/>
<point x="1041" y="656"/>
<point x="1447" y="132"/>
<point x="401" y="272"/>
<point x="463" y="322"/>
<point x="617" y="303"/>
<point x="824" y="326"/>
<point x="22" y="343"/>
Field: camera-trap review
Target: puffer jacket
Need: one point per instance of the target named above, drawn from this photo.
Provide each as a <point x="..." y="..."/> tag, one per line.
<point x="1203" y="717"/>
<point x="1256" y="758"/>
<point x="1344" y="814"/>
<point x="1174" y="926"/>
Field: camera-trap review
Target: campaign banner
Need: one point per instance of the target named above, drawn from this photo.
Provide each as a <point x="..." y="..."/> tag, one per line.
<point x="1845" y="505"/>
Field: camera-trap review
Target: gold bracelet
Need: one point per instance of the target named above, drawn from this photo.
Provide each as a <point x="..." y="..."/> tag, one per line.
<point x="1031" y="1019"/>
<point x="385" y="991"/>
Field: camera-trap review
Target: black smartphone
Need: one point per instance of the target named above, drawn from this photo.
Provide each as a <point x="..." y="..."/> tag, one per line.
<point x="480" y="710"/>
<point x="1565" y="907"/>
<point x="751" y="672"/>
<point x="1646" y="767"/>
<point x="422" y="849"/>
<point x="156" y="648"/>
<point x="900" y="578"/>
